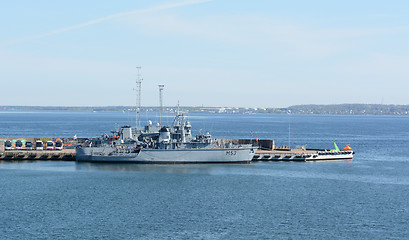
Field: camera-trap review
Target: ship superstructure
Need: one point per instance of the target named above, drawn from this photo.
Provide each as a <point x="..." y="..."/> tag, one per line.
<point x="162" y="144"/>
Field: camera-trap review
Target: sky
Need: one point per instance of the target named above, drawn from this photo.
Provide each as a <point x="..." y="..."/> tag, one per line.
<point x="227" y="53"/>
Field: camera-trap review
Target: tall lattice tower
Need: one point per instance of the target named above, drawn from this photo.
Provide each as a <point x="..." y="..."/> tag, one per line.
<point x="138" y="99"/>
<point x="161" y="86"/>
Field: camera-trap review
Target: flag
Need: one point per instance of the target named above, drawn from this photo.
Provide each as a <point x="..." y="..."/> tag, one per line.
<point x="336" y="147"/>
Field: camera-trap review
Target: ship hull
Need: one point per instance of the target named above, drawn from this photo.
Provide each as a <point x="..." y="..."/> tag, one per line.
<point x="173" y="156"/>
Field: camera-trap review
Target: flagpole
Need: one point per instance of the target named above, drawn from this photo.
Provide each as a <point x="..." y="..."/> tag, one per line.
<point x="289" y="129"/>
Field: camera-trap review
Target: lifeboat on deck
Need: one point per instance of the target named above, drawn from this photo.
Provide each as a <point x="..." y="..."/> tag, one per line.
<point x="113" y="138"/>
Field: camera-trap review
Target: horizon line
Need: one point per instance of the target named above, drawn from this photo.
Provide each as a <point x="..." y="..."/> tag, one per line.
<point x="202" y="106"/>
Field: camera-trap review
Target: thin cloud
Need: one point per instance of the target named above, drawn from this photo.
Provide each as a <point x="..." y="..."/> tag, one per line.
<point x="262" y="32"/>
<point x="114" y="16"/>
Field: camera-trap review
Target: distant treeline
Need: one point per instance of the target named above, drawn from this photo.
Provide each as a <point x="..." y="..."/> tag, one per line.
<point x="351" y="109"/>
<point x="336" y="109"/>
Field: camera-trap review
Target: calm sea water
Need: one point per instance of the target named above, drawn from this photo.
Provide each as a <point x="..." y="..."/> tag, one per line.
<point x="367" y="198"/>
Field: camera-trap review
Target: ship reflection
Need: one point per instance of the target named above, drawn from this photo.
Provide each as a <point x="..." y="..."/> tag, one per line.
<point x="167" y="168"/>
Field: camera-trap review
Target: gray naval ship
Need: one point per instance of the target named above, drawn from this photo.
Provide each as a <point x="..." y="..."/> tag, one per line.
<point x="162" y="144"/>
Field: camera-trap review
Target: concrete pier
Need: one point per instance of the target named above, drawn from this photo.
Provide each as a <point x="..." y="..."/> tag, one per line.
<point x="302" y="155"/>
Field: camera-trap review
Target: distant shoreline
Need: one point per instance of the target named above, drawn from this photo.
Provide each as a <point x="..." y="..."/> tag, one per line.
<point x="336" y="109"/>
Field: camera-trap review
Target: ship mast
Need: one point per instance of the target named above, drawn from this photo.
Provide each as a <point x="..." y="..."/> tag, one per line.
<point x="289" y="129"/>
<point x="161" y="86"/>
<point x="138" y="99"/>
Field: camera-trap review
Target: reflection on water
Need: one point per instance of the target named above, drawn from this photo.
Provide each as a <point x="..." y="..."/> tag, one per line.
<point x="166" y="168"/>
<point x="62" y="166"/>
<point x="59" y="166"/>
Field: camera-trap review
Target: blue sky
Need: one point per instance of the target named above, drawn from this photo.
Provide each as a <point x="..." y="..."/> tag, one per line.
<point x="205" y="52"/>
